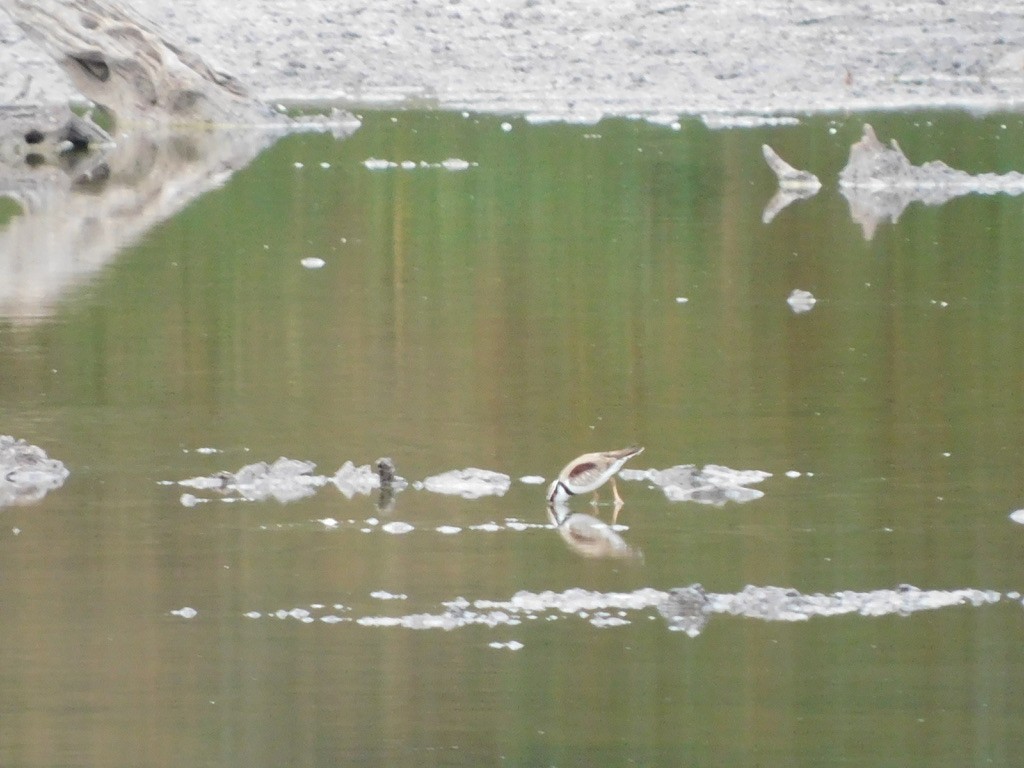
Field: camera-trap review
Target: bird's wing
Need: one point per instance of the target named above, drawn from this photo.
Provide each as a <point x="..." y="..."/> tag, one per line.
<point x="586" y="472"/>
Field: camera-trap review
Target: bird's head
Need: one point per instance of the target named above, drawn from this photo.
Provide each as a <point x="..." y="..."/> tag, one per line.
<point x="558" y="493"/>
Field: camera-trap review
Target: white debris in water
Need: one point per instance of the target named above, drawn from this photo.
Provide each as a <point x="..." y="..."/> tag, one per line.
<point x="470" y="483"/>
<point x="506" y="127"/>
<point x="685" y="609"/>
<point x="27" y="474"/>
<point x="312" y="262"/>
<point x="450" y="164"/>
<point x="713" y="484"/>
<point x="207" y="450"/>
<point x="793" y="474"/>
<point x="328" y="522"/>
<point x="681" y="300"/>
<point x="188" y="500"/>
<point x="396" y="527"/>
<point x="448" y="530"/>
<point x="325" y="165"/>
<point x="512" y="645"/>
<point x="723" y="121"/>
<point x="383" y="595"/>
<point x="185" y="613"/>
<point x="1017" y="516"/>
<point x="488" y="527"/>
<point x="298" y="165"/>
<point x="801" y="301"/>
<point x="532" y="480"/>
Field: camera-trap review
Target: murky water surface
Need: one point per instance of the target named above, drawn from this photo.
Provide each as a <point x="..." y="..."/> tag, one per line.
<point x="458" y="292"/>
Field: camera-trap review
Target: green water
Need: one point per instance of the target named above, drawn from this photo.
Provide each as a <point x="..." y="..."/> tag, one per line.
<point x="511" y="315"/>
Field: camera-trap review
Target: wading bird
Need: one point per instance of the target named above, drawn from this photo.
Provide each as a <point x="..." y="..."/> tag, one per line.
<point x="589" y="472"/>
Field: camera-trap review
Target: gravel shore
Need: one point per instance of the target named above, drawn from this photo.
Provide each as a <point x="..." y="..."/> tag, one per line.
<point x="580" y="60"/>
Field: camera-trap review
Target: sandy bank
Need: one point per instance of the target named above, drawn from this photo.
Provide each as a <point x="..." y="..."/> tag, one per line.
<point x="580" y="59"/>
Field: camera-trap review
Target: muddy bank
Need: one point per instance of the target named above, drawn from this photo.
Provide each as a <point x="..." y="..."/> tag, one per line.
<point x="579" y="60"/>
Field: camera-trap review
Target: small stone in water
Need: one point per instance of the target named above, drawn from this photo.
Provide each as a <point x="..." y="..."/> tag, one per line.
<point x="801" y="301"/>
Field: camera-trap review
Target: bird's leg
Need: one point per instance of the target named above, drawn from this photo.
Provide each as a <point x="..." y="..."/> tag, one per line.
<point x="615" y="512"/>
<point x="594" y="501"/>
<point x="615" y="492"/>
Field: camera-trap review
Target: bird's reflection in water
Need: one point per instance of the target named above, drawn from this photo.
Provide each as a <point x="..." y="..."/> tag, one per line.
<point x="587" y="535"/>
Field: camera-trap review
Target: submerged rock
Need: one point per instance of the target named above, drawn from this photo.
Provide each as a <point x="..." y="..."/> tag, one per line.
<point x="801" y="301"/>
<point x="713" y="484"/>
<point x="879" y="182"/>
<point x="470" y="483"/>
<point x="285" y="480"/>
<point x="26" y="472"/>
<point x="686" y="609"/>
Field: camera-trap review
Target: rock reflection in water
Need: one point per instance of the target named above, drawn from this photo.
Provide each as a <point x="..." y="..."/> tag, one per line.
<point x="588" y="535"/>
<point x="79" y="214"/>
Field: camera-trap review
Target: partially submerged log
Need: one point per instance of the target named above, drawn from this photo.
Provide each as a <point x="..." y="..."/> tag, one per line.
<point x="794" y="184"/>
<point x="122" y="62"/>
<point x="879" y="182"/>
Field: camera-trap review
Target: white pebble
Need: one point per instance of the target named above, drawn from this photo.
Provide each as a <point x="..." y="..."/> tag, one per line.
<point x="801" y="301"/>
